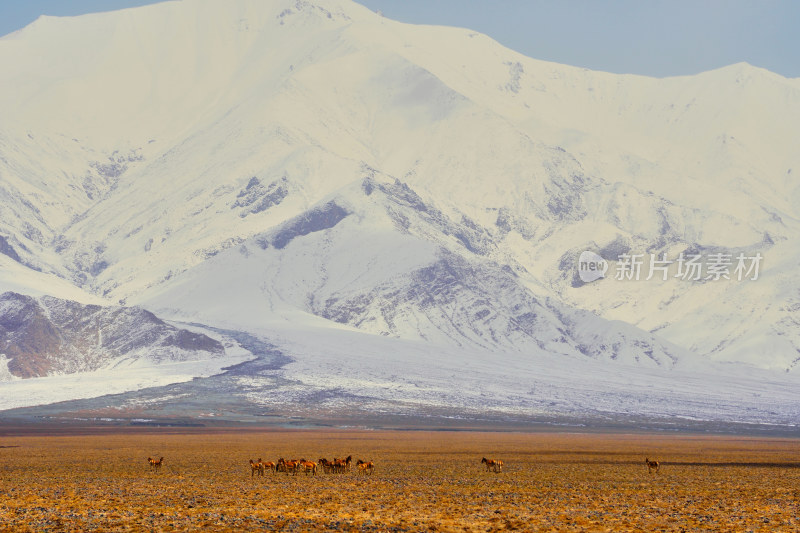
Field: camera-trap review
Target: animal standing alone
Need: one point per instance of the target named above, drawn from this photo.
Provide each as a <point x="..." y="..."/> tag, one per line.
<point x="155" y="464"/>
<point x="365" y="467"/>
<point x="652" y="465"/>
<point x="493" y="464"/>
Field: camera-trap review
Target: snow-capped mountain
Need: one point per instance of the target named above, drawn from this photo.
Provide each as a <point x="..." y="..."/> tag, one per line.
<point x="313" y="174"/>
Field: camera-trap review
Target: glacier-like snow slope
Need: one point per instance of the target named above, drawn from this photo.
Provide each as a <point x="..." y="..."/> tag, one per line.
<point x="275" y="165"/>
<point x="131" y="375"/>
<point x="53" y="349"/>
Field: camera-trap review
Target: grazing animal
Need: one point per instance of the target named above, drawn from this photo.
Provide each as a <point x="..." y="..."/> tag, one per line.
<point x="493" y="464"/>
<point x="652" y="465"/>
<point x="269" y="465"/>
<point x="365" y="467"/>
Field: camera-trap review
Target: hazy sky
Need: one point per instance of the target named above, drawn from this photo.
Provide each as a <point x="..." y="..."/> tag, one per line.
<point x="652" y="37"/>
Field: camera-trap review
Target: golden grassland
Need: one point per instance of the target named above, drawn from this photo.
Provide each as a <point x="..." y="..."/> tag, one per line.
<point x="423" y="481"/>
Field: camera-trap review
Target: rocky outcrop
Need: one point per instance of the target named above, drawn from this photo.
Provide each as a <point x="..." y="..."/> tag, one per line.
<point x="46" y="336"/>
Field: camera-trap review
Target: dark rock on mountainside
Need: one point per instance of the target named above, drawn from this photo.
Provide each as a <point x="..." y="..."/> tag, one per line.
<point x="44" y="336"/>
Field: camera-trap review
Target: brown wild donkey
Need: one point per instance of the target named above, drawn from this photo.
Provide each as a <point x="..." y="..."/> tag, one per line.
<point x="309" y="467"/>
<point x="340" y="466"/>
<point x="651" y="465"/>
<point x="365" y="467"/>
<point x="493" y="464"/>
<point x="288" y="466"/>
<point x="155" y="465"/>
<point x="256" y="467"/>
<point x="327" y="466"/>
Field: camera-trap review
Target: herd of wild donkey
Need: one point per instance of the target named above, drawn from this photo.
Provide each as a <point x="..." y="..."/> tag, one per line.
<point x="337" y="466"/>
<point x="340" y="466"/>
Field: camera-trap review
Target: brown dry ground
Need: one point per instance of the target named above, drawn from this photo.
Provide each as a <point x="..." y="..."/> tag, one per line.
<point x="423" y="481"/>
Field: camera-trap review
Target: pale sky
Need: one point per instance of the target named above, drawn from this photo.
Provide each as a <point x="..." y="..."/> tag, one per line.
<point x="651" y="37"/>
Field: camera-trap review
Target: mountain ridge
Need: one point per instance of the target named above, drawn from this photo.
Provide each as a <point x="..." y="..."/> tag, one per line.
<point x="331" y="169"/>
<point x="50" y="336"/>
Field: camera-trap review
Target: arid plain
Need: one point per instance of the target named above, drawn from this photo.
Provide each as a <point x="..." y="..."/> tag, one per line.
<point x="423" y="481"/>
